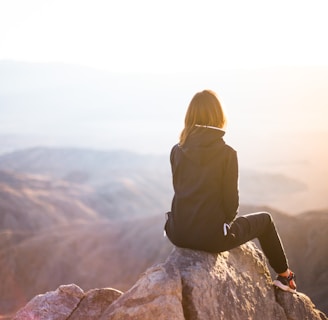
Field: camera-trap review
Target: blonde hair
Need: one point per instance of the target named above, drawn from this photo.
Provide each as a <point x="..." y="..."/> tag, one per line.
<point x="204" y="109"/>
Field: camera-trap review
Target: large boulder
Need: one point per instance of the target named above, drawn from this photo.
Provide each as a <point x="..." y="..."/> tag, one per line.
<point x="188" y="285"/>
<point x="68" y="302"/>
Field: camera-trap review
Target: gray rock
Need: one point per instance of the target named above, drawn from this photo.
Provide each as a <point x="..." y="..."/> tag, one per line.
<point x="157" y="295"/>
<point x="54" y="305"/>
<point x="94" y="304"/>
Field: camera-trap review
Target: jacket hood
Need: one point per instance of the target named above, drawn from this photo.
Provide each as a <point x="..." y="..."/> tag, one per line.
<point x="203" y="144"/>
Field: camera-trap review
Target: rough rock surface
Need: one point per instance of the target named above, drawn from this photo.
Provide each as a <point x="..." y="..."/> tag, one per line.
<point x="94" y="303"/>
<point x="188" y="285"/>
<point x="60" y="303"/>
<point x="68" y="302"/>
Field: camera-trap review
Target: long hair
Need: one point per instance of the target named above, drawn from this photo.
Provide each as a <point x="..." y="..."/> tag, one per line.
<point x="204" y="109"/>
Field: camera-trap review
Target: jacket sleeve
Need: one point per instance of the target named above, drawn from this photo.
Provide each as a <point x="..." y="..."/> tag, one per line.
<point x="230" y="186"/>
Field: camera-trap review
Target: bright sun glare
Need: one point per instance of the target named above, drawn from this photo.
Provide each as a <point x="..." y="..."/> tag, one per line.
<point x="161" y="36"/>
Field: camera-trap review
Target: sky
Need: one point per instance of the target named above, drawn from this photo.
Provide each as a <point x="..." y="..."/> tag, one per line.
<point x="270" y="116"/>
<point x="165" y="36"/>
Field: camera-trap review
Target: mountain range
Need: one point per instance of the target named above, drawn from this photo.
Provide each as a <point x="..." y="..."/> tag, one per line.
<point x="95" y="218"/>
<point x="276" y="119"/>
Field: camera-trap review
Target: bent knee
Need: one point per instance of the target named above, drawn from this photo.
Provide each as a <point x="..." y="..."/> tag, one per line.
<point x="268" y="216"/>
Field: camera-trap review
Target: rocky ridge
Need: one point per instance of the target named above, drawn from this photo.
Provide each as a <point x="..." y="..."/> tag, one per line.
<point x="188" y="285"/>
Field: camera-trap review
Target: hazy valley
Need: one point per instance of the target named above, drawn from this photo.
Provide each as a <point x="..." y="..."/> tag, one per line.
<point x="95" y="218"/>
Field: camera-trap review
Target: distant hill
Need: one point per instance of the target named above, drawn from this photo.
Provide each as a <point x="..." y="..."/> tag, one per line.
<point x="116" y="184"/>
<point x="64" y="162"/>
<point x="34" y="202"/>
<point x="134" y="184"/>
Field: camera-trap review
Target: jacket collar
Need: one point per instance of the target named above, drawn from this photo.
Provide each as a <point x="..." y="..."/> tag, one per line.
<point x="209" y="127"/>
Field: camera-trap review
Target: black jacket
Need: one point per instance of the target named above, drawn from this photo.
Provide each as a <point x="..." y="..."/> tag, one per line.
<point x="205" y="182"/>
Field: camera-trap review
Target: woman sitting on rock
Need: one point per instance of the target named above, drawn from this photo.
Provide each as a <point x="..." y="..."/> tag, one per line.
<point x="206" y="200"/>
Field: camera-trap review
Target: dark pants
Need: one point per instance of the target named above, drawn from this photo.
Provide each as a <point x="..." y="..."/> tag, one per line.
<point x="261" y="226"/>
